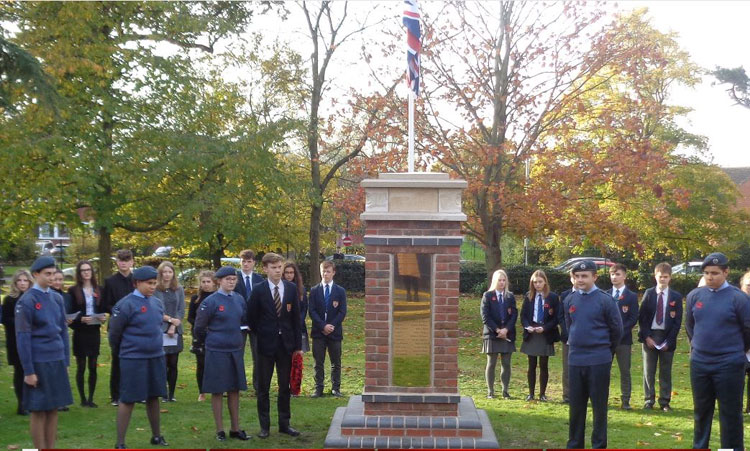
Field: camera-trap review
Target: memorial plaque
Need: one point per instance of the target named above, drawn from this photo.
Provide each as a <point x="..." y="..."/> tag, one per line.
<point x="412" y="320"/>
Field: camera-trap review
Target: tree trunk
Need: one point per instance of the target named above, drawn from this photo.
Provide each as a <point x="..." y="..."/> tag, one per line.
<point x="105" y="253"/>
<point x="216" y="251"/>
<point x="493" y="258"/>
<point x="315" y="214"/>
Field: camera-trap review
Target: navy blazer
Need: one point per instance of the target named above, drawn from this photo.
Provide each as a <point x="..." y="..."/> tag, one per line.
<point x="550" y="321"/>
<point x="561" y="315"/>
<point x="672" y="320"/>
<point x="240" y="287"/>
<point x="261" y="316"/>
<point x="492" y="318"/>
<point x="627" y="304"/>
<point x="336" y="313"/>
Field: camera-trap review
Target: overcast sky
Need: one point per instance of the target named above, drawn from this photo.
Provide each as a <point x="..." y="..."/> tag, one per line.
<point x="715" y="33"/>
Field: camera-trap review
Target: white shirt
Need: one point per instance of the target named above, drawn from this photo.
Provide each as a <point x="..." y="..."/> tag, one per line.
<point x="89" y="296"/>
<point x="499" y="295"/>
<point x="281" y="289"/>
<point x="666" y="301"/>
<point x="615" y="290"/>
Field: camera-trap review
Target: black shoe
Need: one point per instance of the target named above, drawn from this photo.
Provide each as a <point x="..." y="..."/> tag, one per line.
<point x="490" y="396"/>
<point x="120" y="446"/>
<point x="566" y="400"/>
<point x="115" y="402"/>
<point x="84" y="403"/>
<point x="221" y="436"/>
<point x="289" y="431"/>
<point x="542" y="398"/>
<point x="506" y="395"/>
<point x="666" y="408"/>
<point x="240" y="435"/>
<point x="172" y="399"/>
<point x="317" y="394"/>
<point x="22" y="412"/>
<point x="336" y="393"/>
<point x="159" y="440"/>
<point x="529" y="397"/>
<point x="93" y="405"/>
<point x="648" y="406"/>
<point x="626" y="406"/>
<point x="63" y="409"/>
<point x="263" y="433"/>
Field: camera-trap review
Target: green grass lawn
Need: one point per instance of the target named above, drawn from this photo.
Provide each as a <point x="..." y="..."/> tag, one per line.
<point x="189" y="424"/>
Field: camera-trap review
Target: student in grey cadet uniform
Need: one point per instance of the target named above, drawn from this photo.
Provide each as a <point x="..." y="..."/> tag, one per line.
<point x="218" y="327"/>
<point x="135" y="335"/>
<point x="539" y="320"/>
<point x="564" y="340"/>
<point x="499" y="314"/>
<point x="246" y="279"/>
<point x="717" y="322"/>
<point x="659" y="322"/>
<point x="44" y="352"/>
<point x="594" y="331"/>
<point x="627" y="304"/>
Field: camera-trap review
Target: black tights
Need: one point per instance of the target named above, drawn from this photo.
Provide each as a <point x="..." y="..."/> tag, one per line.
<point x="172" y="372"/>
<point x="201" y="362"/>
<point x="18" y="385"/>
<point x="80" y="370"/>
<point x="543" y="374"/>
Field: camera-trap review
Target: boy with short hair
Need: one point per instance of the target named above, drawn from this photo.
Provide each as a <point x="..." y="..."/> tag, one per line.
<point x="627" y="304"/>
<point x="718" y="326"/>
<point x="594" y="331"/>
<point x="327" y="307"/>
<point x="246" y="279"/>
<point x="659" y="322"/>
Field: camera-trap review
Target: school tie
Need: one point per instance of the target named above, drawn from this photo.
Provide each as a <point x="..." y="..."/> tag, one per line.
<point x="327" y="297"/>
<point x="248" y="287"/>
<point x="660" y="309"/>
<point x="503" y="313"/>
<point x="539" y="309"/>
<point x="277" y="300"/>
<point x="617" y="294"/>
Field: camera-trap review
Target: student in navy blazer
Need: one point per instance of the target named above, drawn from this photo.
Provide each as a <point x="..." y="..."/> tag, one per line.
<point x="245" y="274"/>
<point x="653" y="334"/>
<point x="273" y="315"/>
<point x="327" y="333"/>
<point x="539" y="319"/>
<point x="499" y="315"/>
<point x="627" y="304"/>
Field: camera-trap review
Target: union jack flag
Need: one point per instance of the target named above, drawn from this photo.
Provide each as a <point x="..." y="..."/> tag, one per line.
<point x="413" y="43"/>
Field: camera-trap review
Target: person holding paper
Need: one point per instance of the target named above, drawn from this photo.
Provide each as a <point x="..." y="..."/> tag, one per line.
<point x="539" y="320"/>
<point x="218" y="329"/>
<point x="86" y="305"/>
<point x="499" y="314"/>
<point x="717" y="322"/>
<point x="172" y="296"/>
<point x="659" y="319"/>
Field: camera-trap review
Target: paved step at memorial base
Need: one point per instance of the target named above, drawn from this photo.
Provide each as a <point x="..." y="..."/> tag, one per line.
<point x="351" y="428"/>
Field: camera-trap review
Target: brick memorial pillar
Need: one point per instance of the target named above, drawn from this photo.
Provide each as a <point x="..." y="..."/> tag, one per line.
<point x="410" y="398"/>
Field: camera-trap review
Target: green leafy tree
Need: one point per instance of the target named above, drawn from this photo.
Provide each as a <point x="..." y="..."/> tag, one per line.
<point x="738" y="81"/>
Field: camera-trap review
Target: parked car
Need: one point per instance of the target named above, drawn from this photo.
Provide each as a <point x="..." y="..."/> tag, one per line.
<point x="569" y="263"/>
<point x="347" y="257"/>
<point x="162" y="251"/>
<point x="687" y="268"/>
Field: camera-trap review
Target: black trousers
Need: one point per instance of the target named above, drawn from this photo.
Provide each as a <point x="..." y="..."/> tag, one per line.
<point x="282" y="360"/>
<point x="200" y="365"/>
<point x="18" y="385"/>
<point x="320" y="345"/>
<point x="588" y="382"/>
<point x="253" y="354"/>
<point x="723" y="382"/>
<point x="114" y="378"/>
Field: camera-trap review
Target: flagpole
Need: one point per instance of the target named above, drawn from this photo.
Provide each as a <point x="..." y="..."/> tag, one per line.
<point x="411" y="131"/>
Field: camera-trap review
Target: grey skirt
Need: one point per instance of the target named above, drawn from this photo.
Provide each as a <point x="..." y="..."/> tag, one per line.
<point x="537" y="345"/>
<point x="493" y="346"/>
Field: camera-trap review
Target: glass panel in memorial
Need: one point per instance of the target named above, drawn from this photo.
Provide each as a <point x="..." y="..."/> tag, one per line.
<point x="412" y="320"/>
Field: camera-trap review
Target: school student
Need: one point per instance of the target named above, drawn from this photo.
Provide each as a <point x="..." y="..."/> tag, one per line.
<point x="19" y="284"/>
<point x="564" y="340"/>
<point x="659" y="321"/>
<point x="86" y="300"/>
<point x="247" y="278"/>
<point x="172" y="296"/>
<point x="594" y="331"/>
<point x="218" y="324"/>
<point x="206" y="287"/>
<point x="745" y="287"/>
<point x="499" y="314"/>
<point x="135" y="335"/>
<point x="327" y="311"/>
<point x="274" y="316"/>
<point x="44" y="352"/>
<point x="539" y="320"/>
<point x="717" y="322"/>
<point x="627" y="304"/>
<point x="116" y="287"/>
<point x="293" y="274"/>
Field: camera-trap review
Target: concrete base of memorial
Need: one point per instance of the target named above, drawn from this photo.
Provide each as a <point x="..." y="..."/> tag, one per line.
<point x="470" y="429"/>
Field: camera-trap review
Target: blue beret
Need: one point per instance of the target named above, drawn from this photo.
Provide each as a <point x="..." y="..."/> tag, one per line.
<point x="42" y="263"/>
<point x="715" y="259"/>
<point x="585" y="265"/>
<point x="225" y="271"/>
<point x="145" y="273"/>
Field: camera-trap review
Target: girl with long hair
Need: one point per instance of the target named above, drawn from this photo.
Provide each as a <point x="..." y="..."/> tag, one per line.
<point x="499" y="314"/>
<point x="19" y="284"/>
<point x="206" y="287"/>
<point x="172" y="297"/>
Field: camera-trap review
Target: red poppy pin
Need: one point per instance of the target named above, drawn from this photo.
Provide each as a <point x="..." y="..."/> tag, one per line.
<point x="38" y="306"/>
<point x="621" y="298"/>
<point x="494" y="299"/>
<point x="572" y="309"/>
<point x="625" y="309"/>
<point x="672" y="304"/>
<point x="672" y="314"/>
<point x="221" y="308"/>
<point x="698" y="304"/>
<point x="546" y="305"/>
<point x="143" y="309"/>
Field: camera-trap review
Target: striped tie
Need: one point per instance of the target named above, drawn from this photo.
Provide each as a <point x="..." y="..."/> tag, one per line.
<point x="277" y="300"/>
